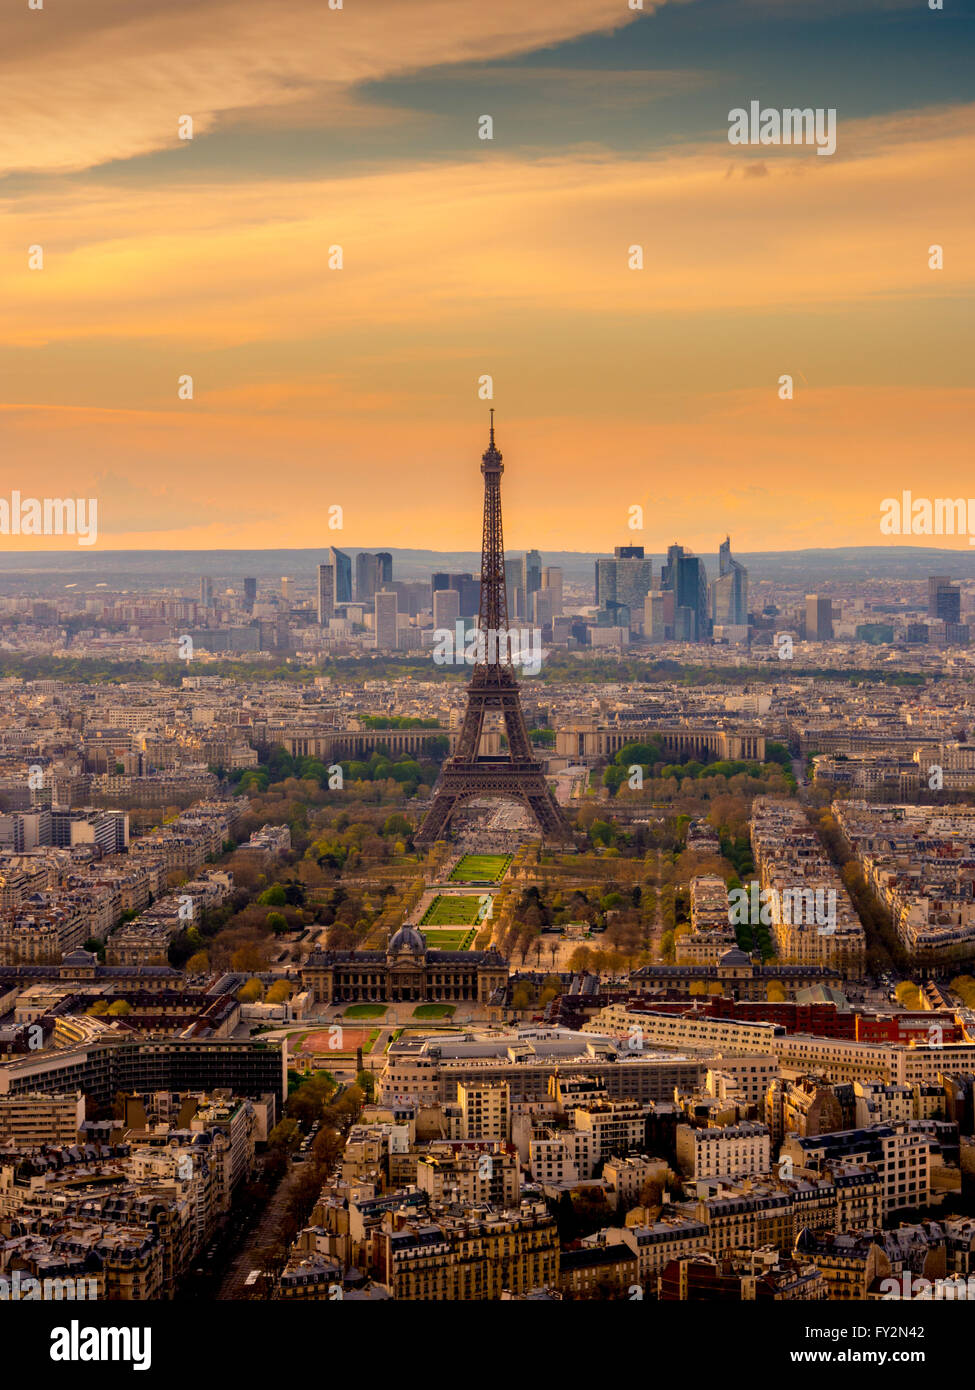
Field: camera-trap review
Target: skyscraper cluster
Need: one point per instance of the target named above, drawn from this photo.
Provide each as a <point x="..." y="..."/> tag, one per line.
<point x="683" y="607"/>
<point x="373" y="573"/>
<point x="622" y="586"/>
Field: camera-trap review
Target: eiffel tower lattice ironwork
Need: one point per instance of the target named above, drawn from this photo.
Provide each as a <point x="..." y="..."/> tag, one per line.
<point x="493" y="686"/>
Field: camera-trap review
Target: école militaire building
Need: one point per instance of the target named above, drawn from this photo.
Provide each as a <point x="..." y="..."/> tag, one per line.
<point x="406" y="971"/>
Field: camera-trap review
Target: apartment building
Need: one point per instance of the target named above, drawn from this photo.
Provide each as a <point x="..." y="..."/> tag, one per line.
<point x="34" y="1119"/>
<point x="920" y="861"/>
<point x="614" y="1126"/>
<point x="432" y="1069"/>
<point x="471" y="1172"/>
<point x="626" y="1176"/>
<point x="640" y="1028"/>
<point x="560" y="1156"/>
<point x="485" y="1109"/>
<point x="794" y="871"/>
<point x="672" y="1237"/>
<point x="473" y="1256"/>
<point x="742" y="1277"/>
<point x="901" y="1155"/>
<point x="851" y="1263"/>
<point x="711" y="934"/>
<point x="726" y="1151"/>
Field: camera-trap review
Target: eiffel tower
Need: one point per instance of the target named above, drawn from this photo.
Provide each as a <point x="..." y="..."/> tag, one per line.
<point x="516" y="774"/>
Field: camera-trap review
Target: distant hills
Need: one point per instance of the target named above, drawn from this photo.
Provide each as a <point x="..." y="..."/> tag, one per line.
<point x="48" y="571"/>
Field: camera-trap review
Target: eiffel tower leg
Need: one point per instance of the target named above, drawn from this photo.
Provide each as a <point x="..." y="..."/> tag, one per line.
<point x="548" y="815"/>
<point x="437" y="818"/>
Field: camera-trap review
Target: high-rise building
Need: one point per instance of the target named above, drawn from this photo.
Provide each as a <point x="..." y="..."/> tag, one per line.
<point x="446" y="608"/>
<point x="343" y="574"/>
<point x="685" y="576"/>
<point x="729" y="592"/>
<point x="531" y="577"/>
<point x="206" y="592"/>
<point x="634" y="577"/>
<point x="250" y="594"/>
<point x="326" y="594"/>
<point x="412" y="595"/>
<point x="372" y="572"/>
<point x="819" y="618"/>
<point x="514" y="589"/>
<point x="605" y="581"/>
<point x="944" y="599"/>
<point x="654" y="621"/>
<point x="366" y="576"/>
<point x="387" y="620"/>
<point x="466" y="586"/>
<point x="552" y="580"/>
<point x="542" y="613"/>
<point x="284" y="590"/>
<point x="625" y="580"/>
<point x="470" y="595"/>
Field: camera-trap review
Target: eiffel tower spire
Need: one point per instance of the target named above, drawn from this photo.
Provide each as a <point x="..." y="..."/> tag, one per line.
<point x="516" y="774"/>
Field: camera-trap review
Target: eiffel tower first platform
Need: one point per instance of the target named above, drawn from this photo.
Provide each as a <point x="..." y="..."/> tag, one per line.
<point x="517" y="774"/>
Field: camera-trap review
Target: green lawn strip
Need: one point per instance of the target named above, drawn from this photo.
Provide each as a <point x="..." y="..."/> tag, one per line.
<point x="434" y="1011"/>
<point x="448" y="911"/>
<point x="452" y="939"/>
<point x="365" y="1011"/>
<point x="489" y="868"/>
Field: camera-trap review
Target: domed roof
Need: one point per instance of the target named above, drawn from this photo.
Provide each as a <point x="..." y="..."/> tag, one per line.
<point x="79" y="956"/>
<point x="408" y="939"/>
<point x="734" y="957"/>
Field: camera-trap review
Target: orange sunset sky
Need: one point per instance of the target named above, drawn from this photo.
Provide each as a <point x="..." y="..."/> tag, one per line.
<point x="462" y="257"/>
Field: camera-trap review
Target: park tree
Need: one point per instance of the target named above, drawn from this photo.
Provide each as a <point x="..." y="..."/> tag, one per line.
<point x="285" y="1135"/>
<point x="249" y="957"/>
<point x="273" y="896"/>
<point x="327" y="1145"/>
<point x="306" y="1104"/>
<point x="521" y="996"/>
<point x="908" y="995"/>
<point x="581" y="959"/>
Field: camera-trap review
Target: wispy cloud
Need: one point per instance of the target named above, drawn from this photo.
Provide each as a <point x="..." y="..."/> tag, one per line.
<point x="108" y="80"/>
<point x="246" y="262"/>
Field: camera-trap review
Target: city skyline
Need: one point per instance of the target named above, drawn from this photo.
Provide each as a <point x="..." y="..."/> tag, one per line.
<point x="438" y="876"/>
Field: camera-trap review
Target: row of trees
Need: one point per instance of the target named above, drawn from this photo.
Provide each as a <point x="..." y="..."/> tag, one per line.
<point x="280" y="767"/>
<point x="312" y="1100"/>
